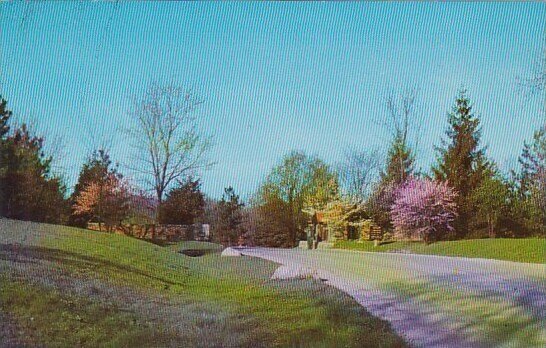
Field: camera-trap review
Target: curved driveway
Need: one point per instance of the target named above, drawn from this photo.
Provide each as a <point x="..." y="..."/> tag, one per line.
<point x="435" y="301"/>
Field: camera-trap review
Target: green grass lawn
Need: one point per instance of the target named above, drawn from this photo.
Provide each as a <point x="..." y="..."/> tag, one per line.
<point x="49" y="318"/>
<point x="531" y="250"/>
<point x="236" y="293"/>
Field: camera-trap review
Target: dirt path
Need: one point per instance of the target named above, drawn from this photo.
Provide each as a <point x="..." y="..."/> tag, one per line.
<point x="461" y="302"/>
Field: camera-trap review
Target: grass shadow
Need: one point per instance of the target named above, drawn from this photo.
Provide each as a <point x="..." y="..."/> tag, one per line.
<point x="33" y="254"/>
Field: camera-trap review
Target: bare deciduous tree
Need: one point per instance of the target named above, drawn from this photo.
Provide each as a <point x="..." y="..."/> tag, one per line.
<point x="167" y="138"/>
<point x="402" y="116"/>
<point x="358" y="172"/>
<point x="537" y="82"/>
<point x="402" y="120"/>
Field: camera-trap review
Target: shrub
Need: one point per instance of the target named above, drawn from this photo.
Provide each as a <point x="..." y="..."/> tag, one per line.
<point x="424" y="209"/>
<point x="271" y="218"/>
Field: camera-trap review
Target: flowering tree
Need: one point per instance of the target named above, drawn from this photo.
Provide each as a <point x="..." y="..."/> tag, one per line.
<point x="424" y="208"/>
<point x="106" y="201"/>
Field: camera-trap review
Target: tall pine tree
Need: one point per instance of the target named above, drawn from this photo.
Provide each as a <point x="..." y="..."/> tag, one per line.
<point x="532" y="183"/>
<point x="183" y="204"/>
<point x="533" y="160"/>
<point x="30" y="191"/>
<point x="399" y="163"/>
<point x="5" y="115"/>
<point x="398" y="169"/>
<point x="461" y="160"/>
<point x="228" y="228"/>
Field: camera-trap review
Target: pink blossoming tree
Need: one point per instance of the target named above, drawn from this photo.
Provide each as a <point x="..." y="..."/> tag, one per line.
<point x="424" y="208"/>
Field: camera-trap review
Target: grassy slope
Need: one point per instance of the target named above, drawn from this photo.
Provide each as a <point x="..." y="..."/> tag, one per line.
<point x="47" y="317"/>
<point x="275" y="315"/>
<point x="531" y="250"/>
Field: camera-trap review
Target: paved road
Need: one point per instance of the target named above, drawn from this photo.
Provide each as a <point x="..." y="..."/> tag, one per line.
<point x="435" y="301"/>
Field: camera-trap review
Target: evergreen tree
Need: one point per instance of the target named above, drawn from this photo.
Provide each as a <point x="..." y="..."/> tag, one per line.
<point x="29" y="190"/>
<point x="533" y="160"/>
<point x="5" y="115"/>
<point x="399" y="163"/>
<point x="532" y="184"/>
<point x="399" y="168"/>
<point x="402" y="121"/>
<point x="461" y="160"/>
<point x="227" y="227"/>
<point x="183" y="204"/>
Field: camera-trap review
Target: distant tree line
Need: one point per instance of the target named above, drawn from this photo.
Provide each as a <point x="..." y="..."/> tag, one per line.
<point x="169" y="149"/>
<point x="463" y="195"/>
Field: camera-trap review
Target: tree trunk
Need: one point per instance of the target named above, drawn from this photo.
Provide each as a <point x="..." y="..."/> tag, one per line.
<point x="491" y="227"/>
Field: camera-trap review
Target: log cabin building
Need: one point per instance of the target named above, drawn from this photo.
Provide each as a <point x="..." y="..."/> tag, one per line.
<point x="321" y="230"/>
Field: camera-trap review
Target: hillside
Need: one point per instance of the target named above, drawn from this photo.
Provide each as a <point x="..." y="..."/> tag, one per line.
<point x="64" y="286"/>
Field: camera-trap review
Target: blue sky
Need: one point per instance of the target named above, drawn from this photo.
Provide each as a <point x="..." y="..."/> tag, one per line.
<point x="274" y="76"/>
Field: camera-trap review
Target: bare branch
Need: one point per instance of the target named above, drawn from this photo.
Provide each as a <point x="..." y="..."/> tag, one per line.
<point x="166" y="137"/>
<point x="403" y="121"/>
<point x="358" y="173"/>
<point x="536" y="83"/>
